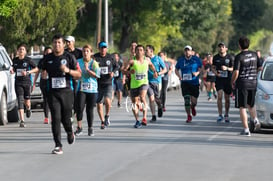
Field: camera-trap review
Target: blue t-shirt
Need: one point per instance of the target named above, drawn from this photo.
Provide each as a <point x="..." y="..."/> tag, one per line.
<point x="158" y="64"/>
<point x="187" y="67"/>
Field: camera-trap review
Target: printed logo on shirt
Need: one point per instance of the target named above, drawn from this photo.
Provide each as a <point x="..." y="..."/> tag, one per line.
<point x="227" y="61"/>
<point x="24" y="64"/>
<point x="108" y="62"/>
<point x="63" y="61"/>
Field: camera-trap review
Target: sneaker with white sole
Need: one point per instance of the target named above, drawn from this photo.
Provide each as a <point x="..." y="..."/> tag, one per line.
<point x="257" y="124"/>
<point x="245" y="133"/>
<point x="57" y="151"/>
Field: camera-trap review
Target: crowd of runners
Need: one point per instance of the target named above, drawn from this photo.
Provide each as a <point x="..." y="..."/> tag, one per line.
<point x="73" y="80"/>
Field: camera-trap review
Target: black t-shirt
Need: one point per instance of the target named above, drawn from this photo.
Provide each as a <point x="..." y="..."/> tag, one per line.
<point x="219" y="61"/>
<point x="22" y="65"/>
<point x="107" y="65"/>
<point x="117" y="73"/>
<point x="58" y="79"/>
<point x="247" y="62"/>
<point x="77" y="53"/>
<point x="210" y="73"/>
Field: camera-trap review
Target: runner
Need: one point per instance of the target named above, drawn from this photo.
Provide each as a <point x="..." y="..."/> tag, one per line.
<point x="210" y="78"/>
<point x="244" y="79"/>
<point x="155" y="83"/>
<point x="223" y="67"/>
<point x="165" y="79"/>
<point x="61" y="68"/>
<point x="23" y="66"/>
<point x="118" y="80"/>
<point x="88" y="88"/>
<point x="139" y="66"/>
<point x="108" y="67"/>
<point x="190" y="68"/>
<point x="43" y="84"/>
<point x="70" y="44"/>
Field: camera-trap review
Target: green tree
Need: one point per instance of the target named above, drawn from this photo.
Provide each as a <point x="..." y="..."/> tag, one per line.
<point x="7" y="7"/>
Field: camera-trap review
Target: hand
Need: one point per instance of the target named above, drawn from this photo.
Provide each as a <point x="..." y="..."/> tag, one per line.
<point x="155" y="75"/>
<point x="195" y="74"/>
<point x="64" y="69"/>
<point x="86" y="66"/>
<point x="233" y="85"/>
<point x="24" y="73"/>
<point x="224" y="67"/>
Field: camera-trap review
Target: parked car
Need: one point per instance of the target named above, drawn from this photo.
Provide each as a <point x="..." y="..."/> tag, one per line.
<point x="36" y="96"/>
<point x="264" y="96"/>
<point x="8" y="100"/>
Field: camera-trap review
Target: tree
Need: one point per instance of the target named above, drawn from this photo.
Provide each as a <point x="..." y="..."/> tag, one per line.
<point x="7" y="7"/>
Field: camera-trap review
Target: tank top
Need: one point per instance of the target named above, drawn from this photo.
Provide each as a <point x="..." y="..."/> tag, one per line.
<point x="140" y="77"/>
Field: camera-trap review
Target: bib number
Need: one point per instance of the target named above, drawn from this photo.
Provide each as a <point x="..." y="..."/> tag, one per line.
<point x="58" y="82"/>
<point x="19" y="72"/>
<point x="223" y="73"/>
<point x="86" y="86"/>
<point x="104" y="70"/>
<point x="140" y="76"/>
<point x="187" y="76"/>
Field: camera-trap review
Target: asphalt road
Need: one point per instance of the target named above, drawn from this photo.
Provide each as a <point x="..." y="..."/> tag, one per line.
<point x="169" y="149"/>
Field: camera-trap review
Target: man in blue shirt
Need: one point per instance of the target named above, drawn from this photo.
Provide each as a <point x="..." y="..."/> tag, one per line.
<point x="155" y="83"/>
<point x="189" y="66"/>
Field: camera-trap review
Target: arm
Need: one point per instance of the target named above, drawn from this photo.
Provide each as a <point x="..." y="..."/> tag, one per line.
<point x="178" y="74"/>
<point x="152" y="67"/>
<point x="234" y="77"/>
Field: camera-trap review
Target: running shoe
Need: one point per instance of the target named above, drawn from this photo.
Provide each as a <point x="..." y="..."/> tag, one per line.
<point x="106" y="120"/>
<point x="144" y="122"/>
<point x="71" y="138"/>
<point x="160" y="112"/>
<point x="46" y="121"/>
<point x="215" y="96"/>
<point x="138" y="124"/>
<point x="219" y="119"/>
<point x="193" y="111"/>
<point x="57" y="151"/>
<point x="102" y="126"/>
<point x="209" y="99"/>
<point x="90" y="132"/>
<point x="119" y="105"/>
<point x="245" y="133"/>
<point x="22" y="124"/>
<point x="153" y="119"/>
<point x="28" y="113"/>
<point x="257" y="124"/>
<point x="189" y="119"/>
<point x="226" y="118"/>
<point x="78" y="131"/>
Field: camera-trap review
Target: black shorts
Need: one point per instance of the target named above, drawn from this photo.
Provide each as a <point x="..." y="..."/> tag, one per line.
<point x="23" y="90"/>
<point x="189" y="89"/>
<point x="104" y="91"/>
<point x="244" y="97"/>
<point x="223" y="84"/>
<point x="136" y="92"/>
<point x="211" y="78"/>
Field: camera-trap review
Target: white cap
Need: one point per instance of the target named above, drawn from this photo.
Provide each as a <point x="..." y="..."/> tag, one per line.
<point x="188" y="47"/>
<point x="69" y="38"/>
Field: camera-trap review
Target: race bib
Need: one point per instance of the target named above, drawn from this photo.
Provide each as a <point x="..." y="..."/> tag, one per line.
<point x="19" y="72"/>
<point x="104" y="70"/>
<point x="139" y="76"/>
<point x="116" y="74"/>
<point x="86" y="86"/>
<point x="223" y="73"/>
<point x="58" y="82"/>
<point x="210" y="73"/>
<point x="187" y="76"/>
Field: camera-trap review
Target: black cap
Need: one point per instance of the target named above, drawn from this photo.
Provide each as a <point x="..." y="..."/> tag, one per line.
<point x="221" y="44"/>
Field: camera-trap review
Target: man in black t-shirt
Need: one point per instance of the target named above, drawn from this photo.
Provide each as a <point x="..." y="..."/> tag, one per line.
<point x="107" y="68"/>
<point x="61" y="67"/>
<point x="244" y="78"/>
<point x="223" y="67"/>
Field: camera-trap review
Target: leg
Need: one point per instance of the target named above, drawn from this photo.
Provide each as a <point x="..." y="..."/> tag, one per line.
<point x="219" y="101"/>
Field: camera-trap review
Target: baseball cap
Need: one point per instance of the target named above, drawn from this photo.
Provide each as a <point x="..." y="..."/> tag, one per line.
<point x="102" y="44"/>
<point x="221" y="44"/>
<point x="188" y="47"/>
<point x="69" y="38"/>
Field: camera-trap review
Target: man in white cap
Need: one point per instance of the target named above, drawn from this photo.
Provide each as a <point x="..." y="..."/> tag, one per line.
<point x="189" y="66"/>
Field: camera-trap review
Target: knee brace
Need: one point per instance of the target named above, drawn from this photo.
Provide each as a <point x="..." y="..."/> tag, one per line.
<point x="187" y="100"/>
<point x="21" y="102"/>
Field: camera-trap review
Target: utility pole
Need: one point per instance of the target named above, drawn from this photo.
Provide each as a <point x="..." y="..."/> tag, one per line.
<point x="99" y="21"/>
<point x="106" y="21"/>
